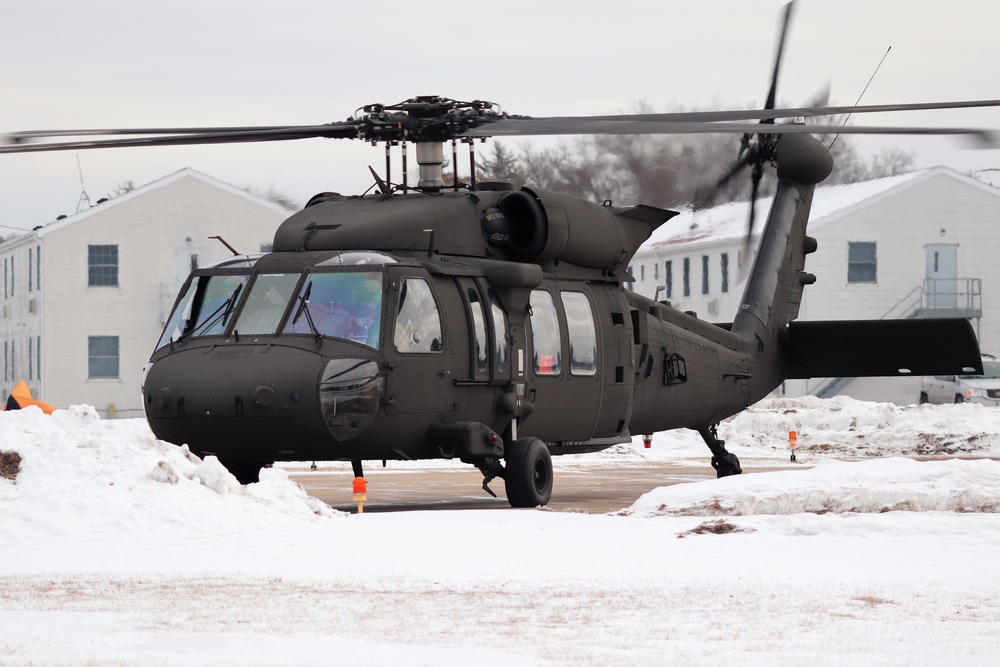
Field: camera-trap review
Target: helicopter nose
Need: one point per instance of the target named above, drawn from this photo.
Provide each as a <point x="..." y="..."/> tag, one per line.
<point x="234" y="400"/>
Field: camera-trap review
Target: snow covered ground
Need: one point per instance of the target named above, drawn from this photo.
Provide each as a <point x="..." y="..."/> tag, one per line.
<point x="118" y="549"/>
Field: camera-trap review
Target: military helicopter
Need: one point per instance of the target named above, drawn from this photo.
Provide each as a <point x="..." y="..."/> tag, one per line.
<point x="492" y="325"/>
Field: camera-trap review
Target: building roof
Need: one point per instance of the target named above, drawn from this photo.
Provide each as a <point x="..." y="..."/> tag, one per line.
<point x="728" y="221"/>
<point x="187" y="172"/>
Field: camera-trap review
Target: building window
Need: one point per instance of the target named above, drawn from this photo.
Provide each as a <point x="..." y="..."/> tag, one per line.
<point x="642" y="272"/>
<point x="5" y="277"/>
<point x="704" y="274"/>
<point x="31" y="363"/>
<point x="656" y="270"/>
<point x="725" y="273"/>
<point x="862" y="262"/>
<point x="669" y="270"/>
<point x="29" y="271"/>
<point x="38" y="267"/>
<point x="102" y="357"/>
<point x="686" y="276"/>
<point x="38" y="356"/>
<point x="102" y="266"/>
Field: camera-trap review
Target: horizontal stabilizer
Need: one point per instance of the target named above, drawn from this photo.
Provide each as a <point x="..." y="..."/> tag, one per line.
<point x="873" y="348"/>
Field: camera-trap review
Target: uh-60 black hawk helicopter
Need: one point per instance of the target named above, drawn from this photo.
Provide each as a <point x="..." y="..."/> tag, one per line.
<point x="475" y="321"/>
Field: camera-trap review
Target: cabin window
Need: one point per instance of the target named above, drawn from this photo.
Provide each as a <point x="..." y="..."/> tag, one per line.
<point x="725" y="272"/>
<point x="341" y="305"/>
<point x="686" y="276"/>
<point x="102" y="357"/>
<point x="418" y="322"/>
<point x="668" y="270"/>
<point x="545" y="343"/>
<point x="704" y="274"/>
<point x="862" y="262"/>
<point x="481" y="353"/>
<point x="582" y="333"/>
<point x="499" y="333"/>
<point x="266" y="303"/>
<point x="102" y="266"/>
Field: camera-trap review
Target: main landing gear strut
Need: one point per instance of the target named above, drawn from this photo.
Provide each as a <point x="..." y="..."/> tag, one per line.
<point x="724" y="462"/>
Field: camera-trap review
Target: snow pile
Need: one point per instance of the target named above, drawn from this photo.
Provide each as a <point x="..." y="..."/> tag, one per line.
<point x="867" y="487"/>
<point x="838" y="428"/>
<point x="116" y="548"/>
<point x="80" y="474"/>
<point x="847" y="428"/>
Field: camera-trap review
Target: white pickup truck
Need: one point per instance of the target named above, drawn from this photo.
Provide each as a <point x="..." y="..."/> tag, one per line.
<point x="983" y="388"/>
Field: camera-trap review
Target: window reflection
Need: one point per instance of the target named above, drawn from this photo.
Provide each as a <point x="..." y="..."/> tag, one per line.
<point x="479" y="325"/>
<point x="340" y="305"/>
<point x="582" y="333"/>
<point x="547" y="353"/>
<point x="268" y="299"/>
<point x="499" y="332"/>
<point x="204" y="308"/>
<point x="418" y="323"/>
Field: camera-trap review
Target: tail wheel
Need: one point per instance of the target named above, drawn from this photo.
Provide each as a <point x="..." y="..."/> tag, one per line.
<point x="528" y="474"/>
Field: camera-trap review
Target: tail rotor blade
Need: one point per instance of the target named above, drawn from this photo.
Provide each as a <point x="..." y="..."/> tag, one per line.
<point x="772" y="93"/>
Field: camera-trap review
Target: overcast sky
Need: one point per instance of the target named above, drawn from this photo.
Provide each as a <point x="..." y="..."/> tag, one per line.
<point x="128" y="64"/>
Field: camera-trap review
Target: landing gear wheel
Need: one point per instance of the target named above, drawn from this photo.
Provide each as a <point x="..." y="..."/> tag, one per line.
<point x="245" y="472"/>
<point x="528" y="475"/>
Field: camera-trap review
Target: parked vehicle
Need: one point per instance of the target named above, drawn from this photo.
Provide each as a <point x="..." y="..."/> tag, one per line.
<point x="984" y="389"/>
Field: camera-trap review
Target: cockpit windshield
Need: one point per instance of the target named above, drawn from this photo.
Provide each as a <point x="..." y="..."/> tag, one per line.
<point x="343" y="305"/>
<point x="266" y="303"/>
<point x="205" y="308"/>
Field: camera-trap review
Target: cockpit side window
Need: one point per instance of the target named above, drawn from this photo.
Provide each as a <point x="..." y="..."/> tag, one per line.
<point x="481" y="353"/>
<point x="499" y="333"/>
<point x="418" y="322"/>
<point x="268" y="299"/>
<point x="344" y="305"/>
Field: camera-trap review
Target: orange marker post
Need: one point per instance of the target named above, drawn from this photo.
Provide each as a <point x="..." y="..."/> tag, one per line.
<point x="792" y="443"/>
<point x="360" y="493"/>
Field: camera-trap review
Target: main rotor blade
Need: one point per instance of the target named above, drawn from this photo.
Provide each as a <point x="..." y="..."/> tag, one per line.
<point x="46" y="134"/>
<point x="671" y="116"/>
<point x="624" y="125"/>
<point x="206" y="136"/>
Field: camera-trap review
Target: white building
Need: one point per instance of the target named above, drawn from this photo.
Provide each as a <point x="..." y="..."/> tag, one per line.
<point x="924" y="244"/>
<point x="85" y="297"/>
